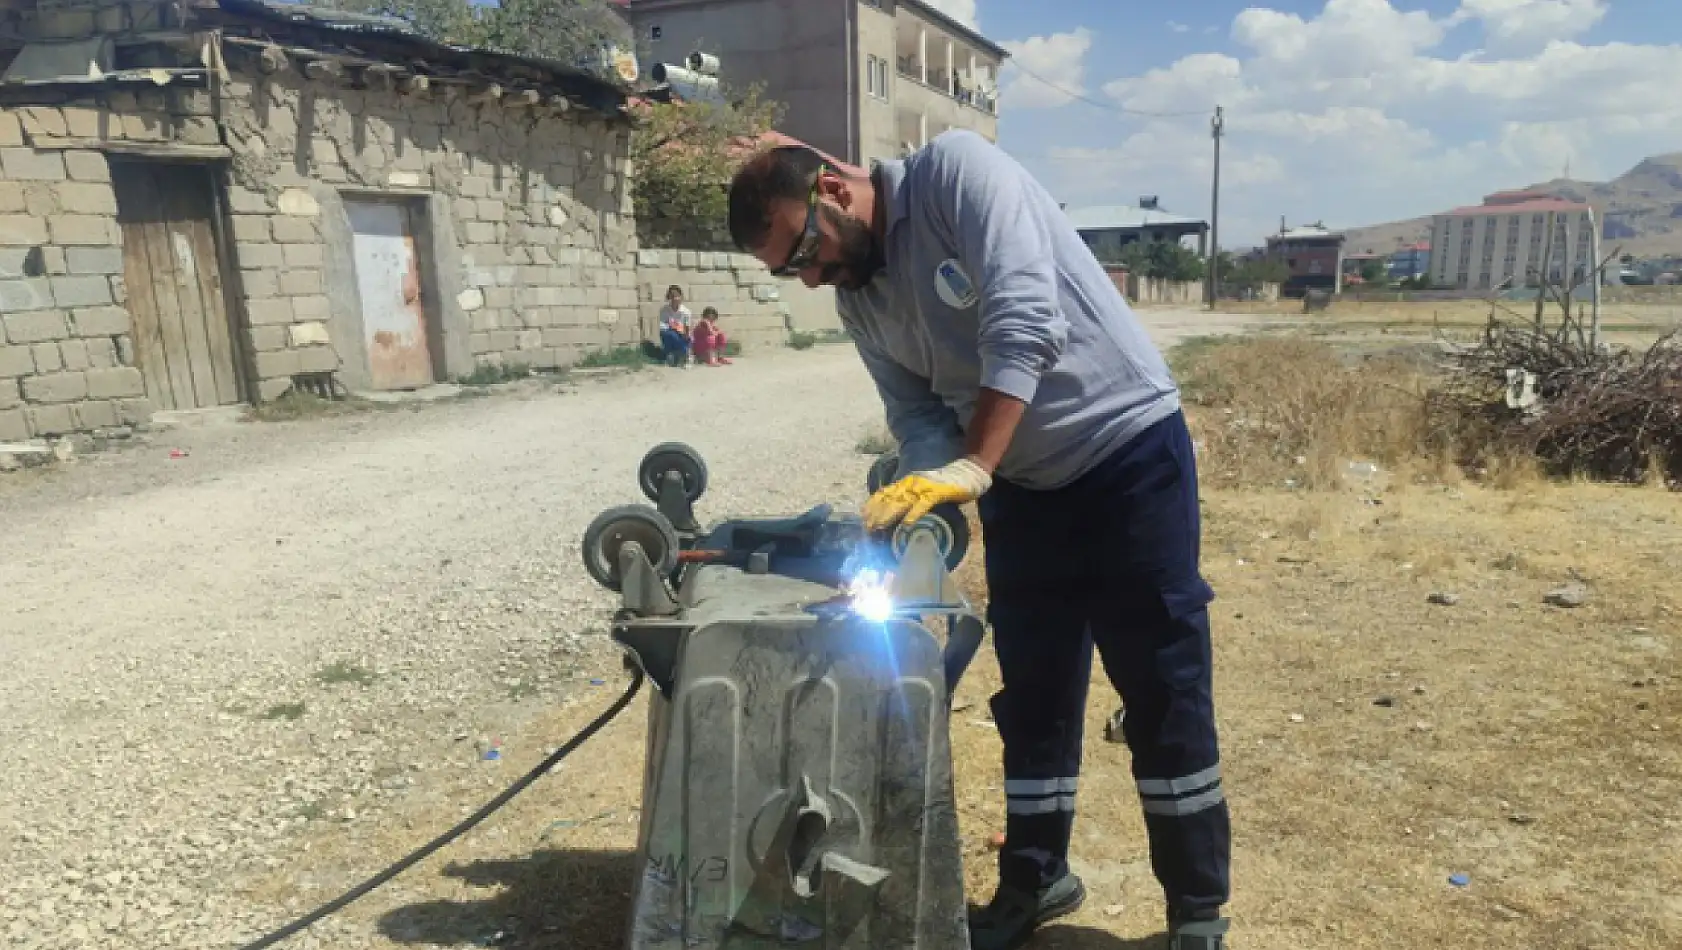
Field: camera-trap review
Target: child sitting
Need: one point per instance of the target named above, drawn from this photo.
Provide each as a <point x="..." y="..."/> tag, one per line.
<point x="709" y="340"/>
<point x="674" y="328"/>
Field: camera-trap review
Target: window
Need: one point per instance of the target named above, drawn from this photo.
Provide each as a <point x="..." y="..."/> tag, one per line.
<point x="876" y="77"/>
<point x="655" y="32"/>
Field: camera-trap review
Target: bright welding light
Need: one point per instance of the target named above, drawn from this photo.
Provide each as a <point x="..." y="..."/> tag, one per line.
<point x="871" y="597"/>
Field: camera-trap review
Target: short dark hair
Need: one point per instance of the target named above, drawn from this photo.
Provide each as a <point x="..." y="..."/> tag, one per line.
<point x="673" y="289"/>
<point x="779" y="174"/>
<point x="710" y="312"/>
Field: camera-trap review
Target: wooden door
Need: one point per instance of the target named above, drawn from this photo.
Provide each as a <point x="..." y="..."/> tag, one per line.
<point x="182" y="340"/>
<point x="388" y="280"/>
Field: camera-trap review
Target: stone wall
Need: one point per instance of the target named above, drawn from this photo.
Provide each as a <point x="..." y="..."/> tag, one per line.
<point x="66" y="357"/>
<point x="525" y="221"/>
<point x="753" y="307"/>
<point x="524" y="234"/>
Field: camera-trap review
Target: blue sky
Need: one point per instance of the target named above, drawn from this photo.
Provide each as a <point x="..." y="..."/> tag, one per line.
<point x="1347" y="111"/>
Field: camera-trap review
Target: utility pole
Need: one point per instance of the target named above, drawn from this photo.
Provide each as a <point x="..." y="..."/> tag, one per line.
<point x="1217" y="127"/>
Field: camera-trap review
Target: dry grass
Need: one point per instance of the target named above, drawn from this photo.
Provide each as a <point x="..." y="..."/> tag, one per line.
<point x="1534" y="749"/>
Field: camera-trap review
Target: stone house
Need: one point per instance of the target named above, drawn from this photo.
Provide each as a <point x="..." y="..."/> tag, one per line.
<point x="211" y="202"/>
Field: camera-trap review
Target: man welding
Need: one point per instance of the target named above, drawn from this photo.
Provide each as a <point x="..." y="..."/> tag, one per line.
<point x="1016" y="376"/>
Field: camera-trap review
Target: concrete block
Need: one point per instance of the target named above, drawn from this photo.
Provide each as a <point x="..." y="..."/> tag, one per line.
<point x="99" y="321"/>
<point x="32" y="293"/>
<point x="16" y="361"/>
<point x="56" y="387"/>
<point x="143" y="128"/>
<point x="82" y="291"/>
<point x="251" y="229"/>
<point x="268" y="390"/>
<point x="478" y="232"/>
<point x="119" y="289"/>
<point x="312" y="308"/>
<point x="470" y="299"/>
<point x="50" y="420"/>
<point x="115" y="383"/>
<point x="301" y="283"/>
<point x="478" y="343"/>
<point x="317" y="359"/>
<point x="94" y="415"/>
<point x="198" y="130"/>
<point x="270" y="311"/>
<point x="86" y="197"/>
<point x="401" y="179"/>
<point x="313" y="333"/>
<point x="11" y="132"/>
<point x="28" y="164"/>
<point x="73" y="354"/>
<point x="102" y="353"/>
<point x="261" y="255"/>
<point x="94" y="260"/>
<point x="133" y="412"/>
<point x="260" y="283"/>
<point x="11" y="197"/>
<point x="272" y="363"/>
<point x="268" y="338"/>
<point x="504" y="340"/>
<point x="35" y="327"/>
<point x="607" y="317"/>
<point x="48" y="357"/>
<point x="14" y="426"/>
<point x="302" y="255"/>
<point x="297" y="201"/>
<point x="86" y="165"/>
<point x="11" y="394"/>
<point x="242" y="200"/>
<point x="295" y="230"/>
<point x="84" y="229"/>
<point x="484" y="321"/>
<point x="125" y="350"/>
<point x="22" y="230"/>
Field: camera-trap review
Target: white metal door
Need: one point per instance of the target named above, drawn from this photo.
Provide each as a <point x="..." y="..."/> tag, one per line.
<point x="388" y="281"/>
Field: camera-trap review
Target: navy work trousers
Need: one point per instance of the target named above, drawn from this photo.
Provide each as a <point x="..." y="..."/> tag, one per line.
<point x="1110" y="560"/>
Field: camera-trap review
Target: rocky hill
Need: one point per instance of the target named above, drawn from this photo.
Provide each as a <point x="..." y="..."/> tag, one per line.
<point x="1642" y="208"/>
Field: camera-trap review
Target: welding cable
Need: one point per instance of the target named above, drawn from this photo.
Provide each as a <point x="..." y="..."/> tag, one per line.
<point x="338" y="903"/>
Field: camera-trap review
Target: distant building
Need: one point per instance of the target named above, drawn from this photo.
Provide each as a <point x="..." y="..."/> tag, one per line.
<point x="1502" y="242"/>
<point x="1109" y="228"/>
<point x="1312" y="255"/>
<point x="864" y="80"/>
<point x="1410" y="262"/>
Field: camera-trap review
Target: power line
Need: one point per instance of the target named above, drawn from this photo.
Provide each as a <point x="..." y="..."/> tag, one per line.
<point x="1102" y="105"/>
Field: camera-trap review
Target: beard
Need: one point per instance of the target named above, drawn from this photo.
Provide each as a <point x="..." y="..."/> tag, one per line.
<point x="860" y="254"/>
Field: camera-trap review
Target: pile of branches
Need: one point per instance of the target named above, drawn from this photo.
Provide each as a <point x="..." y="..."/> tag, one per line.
<point x="1610" y="414"/>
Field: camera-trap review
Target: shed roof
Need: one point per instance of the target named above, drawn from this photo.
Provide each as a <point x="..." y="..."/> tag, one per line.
<point x="1125" y="217"/>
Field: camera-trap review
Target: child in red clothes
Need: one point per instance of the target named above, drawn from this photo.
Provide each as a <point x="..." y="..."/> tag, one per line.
<point x="708" y="340"/>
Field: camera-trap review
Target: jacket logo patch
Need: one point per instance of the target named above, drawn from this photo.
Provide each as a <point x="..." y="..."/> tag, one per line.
<point x="953" y="286"/>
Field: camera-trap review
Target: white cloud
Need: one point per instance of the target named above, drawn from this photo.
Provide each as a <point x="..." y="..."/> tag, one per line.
<point x="1177" y="27"/>
<point x="961" y="10"/>
<point x="1057" y="63"/>
<point x="1356" y="115"/>
<point x="1531" y="24"/>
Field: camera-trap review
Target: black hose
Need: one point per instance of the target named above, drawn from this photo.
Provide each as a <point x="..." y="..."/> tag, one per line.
<point x="467" y="823"/>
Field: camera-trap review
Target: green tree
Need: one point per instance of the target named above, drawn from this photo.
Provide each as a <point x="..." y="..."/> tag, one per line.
<point x="1375" y="273"/>
<point x="684" y="154"/>
<point x="1162" y="260"/>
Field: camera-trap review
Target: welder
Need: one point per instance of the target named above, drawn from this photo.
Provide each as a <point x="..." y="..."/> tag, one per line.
<point x="1014" y="375"/>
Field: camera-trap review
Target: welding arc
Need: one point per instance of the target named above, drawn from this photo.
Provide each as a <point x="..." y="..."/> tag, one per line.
<point x="338" y="903"/>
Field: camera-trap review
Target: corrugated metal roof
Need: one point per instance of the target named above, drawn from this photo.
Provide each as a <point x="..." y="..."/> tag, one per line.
<point x="1121" y="217"/>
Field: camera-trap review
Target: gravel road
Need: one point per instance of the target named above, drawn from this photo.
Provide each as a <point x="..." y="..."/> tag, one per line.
<point x="306" y="621"/>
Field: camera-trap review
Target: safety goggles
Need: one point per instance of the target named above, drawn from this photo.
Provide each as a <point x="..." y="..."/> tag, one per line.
<point x="805" y="250"/>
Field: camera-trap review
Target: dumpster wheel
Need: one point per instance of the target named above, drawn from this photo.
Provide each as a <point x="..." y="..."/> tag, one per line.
<point x="673" y="457"/>
<point x="614" y="527"/>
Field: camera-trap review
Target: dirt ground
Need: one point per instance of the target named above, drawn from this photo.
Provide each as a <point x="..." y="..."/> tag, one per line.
<point x="154" y="603"/>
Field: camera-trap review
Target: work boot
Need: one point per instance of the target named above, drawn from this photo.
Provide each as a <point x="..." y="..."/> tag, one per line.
<point x="1209" y="934"/>
<point x="1011" y="918"/>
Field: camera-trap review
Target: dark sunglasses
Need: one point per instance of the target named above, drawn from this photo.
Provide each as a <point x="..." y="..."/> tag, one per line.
<point x="805" y="250"/>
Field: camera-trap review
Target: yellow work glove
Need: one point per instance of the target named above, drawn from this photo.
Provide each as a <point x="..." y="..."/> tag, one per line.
<point x="916" y="494"/>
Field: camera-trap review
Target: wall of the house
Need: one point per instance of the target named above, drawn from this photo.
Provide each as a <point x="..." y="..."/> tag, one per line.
<point x="527" y="251"/>
<point x="528" y="236"/>
<point x="753" y="307"/>
<point x="66" y="356"/>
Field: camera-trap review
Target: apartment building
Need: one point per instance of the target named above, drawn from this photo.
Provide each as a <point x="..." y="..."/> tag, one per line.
<point x="863" y="80"/>
<point x="1503" y="242"/>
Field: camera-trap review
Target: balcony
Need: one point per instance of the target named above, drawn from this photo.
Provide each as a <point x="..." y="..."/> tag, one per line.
<point x="945" y="65"/>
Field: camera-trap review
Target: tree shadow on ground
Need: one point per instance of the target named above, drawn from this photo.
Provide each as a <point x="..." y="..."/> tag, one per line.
<point x="576" y="899"/>
<point x="581" y="900"/>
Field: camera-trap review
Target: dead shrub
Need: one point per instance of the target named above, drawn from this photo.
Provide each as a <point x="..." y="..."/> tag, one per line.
<point x="1290" y="412"/>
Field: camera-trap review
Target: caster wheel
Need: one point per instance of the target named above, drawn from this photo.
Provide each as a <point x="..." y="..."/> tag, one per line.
<point x="881" y="472"/>
<point x="668" y="457"/>
<point x="612" y="528"/>
<point x="951" y="528"/>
